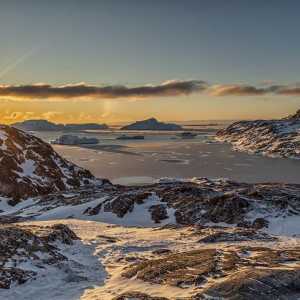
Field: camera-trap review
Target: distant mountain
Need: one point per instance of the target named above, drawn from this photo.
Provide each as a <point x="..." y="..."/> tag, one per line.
<point x="38" y="125"/>
<point x="30" y="167"/>
<point x="44" y="125"/>
<point x="275" y="138"/>
<point x="151" y="124"/>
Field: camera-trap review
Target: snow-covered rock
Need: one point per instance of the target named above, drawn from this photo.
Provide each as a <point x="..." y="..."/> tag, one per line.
<point x="24" y="246"/>
<point x="201" y="201"/>
<point x="30" y="167"/>
<point x="274" y="138"/>
<point x="152" y="124"/>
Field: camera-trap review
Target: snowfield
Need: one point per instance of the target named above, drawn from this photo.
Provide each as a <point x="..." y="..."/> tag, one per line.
<point x="98" y="259"/>
<point x="233" y="225"/>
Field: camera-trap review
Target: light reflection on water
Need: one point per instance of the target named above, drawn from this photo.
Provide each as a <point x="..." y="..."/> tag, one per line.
<point x="163" y="154"/>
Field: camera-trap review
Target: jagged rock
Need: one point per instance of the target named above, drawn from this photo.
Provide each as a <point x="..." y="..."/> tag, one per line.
<point x="109" y="239"/>
<point x="198" y="202"/>
<point x="228" y="208"/>
<point x="58" y="232"/>
<point x="213" y="235"/>
<point x="260" y="223"/>
<point x="10" y="275"/>
<point x="125" y="203"/>
<point x="267" y="137"/>
<point x="92" y="211"/>
<point x="158" y="212"/>
<point x="246" y="272"/>
<point x="11" y="219"/>
<point x="137" y="296"/>
<point x="260" y="284"/>
<point x="30" y="167"/>
<point x="180" y="269"/>
<point x="161" y="251"/>
<point x="19" y="244"/>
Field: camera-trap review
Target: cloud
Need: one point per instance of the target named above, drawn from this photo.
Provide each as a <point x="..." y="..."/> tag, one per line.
<point x="8" y="116"/>
<point x="236" y="90"/>
<point x="45" y="91"/>
<point x="49" y="115"/>
<point x="169" y="88"/>
<point x="287" y="90"/>
<point x="250" y="90"/>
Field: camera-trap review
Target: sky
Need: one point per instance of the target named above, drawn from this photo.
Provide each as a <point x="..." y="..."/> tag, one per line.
<point x="116" y="61"/>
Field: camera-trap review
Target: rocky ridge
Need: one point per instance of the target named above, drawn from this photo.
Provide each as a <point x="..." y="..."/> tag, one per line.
<point x="30" y="167"/>
<point x="274" y="138"/>
<point x="199" y="201"/>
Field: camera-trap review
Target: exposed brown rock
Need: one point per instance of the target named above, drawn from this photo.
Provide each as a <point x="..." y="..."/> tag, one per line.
<point x="197" y="267"/>
<point x="158" y="212"/>
<point x="30" y="167"/>
<point x="137" y="296"/>
<point x="125" y="203"/>
<point x="217" y="235"/>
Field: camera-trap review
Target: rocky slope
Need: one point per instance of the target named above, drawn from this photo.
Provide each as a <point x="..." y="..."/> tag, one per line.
<point x="33" y="245"/>
<point x="232" y="273"/>
<point x="275" y="138"/>
<point x="151" y="124"/>
<point x="30" y="167"/>
<point x="167" y="263"/>
<point x="199" y="201"/>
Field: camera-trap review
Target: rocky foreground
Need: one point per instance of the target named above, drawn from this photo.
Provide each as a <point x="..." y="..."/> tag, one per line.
<point x="182" y="263"/>
<point x="274" y="138"/>
<point x="66" y="235"/>
<point x="199" y="201"/>
<point x="187" y="240"/>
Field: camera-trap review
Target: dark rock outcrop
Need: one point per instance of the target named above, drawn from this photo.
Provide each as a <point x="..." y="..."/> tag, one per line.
<point x="158" y="212"/>
<point x="236" y="234"/>
<point x="137" y="296"/>
<point x="124" y="203"/>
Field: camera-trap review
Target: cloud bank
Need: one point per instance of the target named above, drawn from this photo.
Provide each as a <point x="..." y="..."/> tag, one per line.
<point x="250" y="90"/>
<point x="165" y="89"/>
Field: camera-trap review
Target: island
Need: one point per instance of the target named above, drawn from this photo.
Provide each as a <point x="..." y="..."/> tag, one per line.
<point x="45" y="125"/>
<point x="273" y="138"/>
<point x="152" y="124"/>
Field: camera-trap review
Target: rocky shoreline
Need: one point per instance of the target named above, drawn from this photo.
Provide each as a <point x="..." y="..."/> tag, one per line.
<point x="274" y="138"/>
